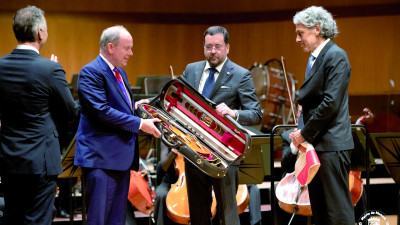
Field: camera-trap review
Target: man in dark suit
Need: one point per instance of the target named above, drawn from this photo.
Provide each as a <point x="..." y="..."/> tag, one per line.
<point x="106" y="146"/>
<point x="325" y="113"/>
<point x="33" y="92"/>
<point x="231" y="87"/>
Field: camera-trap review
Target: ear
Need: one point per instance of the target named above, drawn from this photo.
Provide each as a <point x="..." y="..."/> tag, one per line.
<point x="110" y="48"/>
<point x="40" y="34"/>
<point x="317" y="29"/>
<point x="227" y="48"/>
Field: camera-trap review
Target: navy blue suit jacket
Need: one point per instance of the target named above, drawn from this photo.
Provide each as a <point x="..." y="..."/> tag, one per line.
<point x="107" y="132"/>
<point x="33" y="95"/>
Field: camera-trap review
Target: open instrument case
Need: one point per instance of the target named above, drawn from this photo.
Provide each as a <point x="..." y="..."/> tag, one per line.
<point x="190" y="124"/>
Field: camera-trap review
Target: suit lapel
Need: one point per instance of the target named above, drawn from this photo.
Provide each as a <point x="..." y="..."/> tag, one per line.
<point x="224" y="75"/>
<point x="319" y="60"/>
<point x="107" y="71"/>
<point x="198" y="70"/>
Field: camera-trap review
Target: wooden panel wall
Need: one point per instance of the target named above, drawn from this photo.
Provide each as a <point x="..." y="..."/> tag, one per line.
<point x="370" y="41"/>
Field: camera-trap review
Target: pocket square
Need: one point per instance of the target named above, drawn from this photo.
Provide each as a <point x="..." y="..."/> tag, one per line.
<point x="225" y="87"/>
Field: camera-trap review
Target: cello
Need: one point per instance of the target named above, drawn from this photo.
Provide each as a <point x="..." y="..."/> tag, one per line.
<point x="292" y="190"/>
<point x="177" y="198"/>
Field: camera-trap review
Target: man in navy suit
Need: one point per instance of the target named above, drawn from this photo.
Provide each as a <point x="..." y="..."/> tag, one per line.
<point x="325" y="113"/>
<point x="232" y="88"/>
<point x="106" y="146"/>
<point x="33" y="93"/>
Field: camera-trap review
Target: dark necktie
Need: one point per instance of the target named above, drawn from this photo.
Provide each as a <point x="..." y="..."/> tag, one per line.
<point x="300" y="124"/>
<point x="121" y="84"/>
<point x="208" y="86"/>
<point x="309" y="64"/>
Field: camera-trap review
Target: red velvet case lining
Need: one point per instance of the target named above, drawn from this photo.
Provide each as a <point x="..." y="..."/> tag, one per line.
<point x="227" y="138"/>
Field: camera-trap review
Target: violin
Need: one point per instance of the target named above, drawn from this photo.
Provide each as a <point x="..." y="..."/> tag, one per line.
<point x="177" y="198"/>
<point x="182" y="135"/>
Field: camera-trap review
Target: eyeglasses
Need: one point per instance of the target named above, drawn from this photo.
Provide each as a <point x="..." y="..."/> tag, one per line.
<point x="217" y="48"/>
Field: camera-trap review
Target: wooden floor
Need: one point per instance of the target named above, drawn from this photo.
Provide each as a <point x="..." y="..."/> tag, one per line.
<point x="383" y="197"/>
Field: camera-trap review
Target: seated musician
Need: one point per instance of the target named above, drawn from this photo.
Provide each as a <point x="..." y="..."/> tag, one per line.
<point x="166" y="176"/>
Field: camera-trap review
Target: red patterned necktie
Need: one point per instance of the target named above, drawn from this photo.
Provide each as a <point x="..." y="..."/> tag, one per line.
<point x="121" y="84"/>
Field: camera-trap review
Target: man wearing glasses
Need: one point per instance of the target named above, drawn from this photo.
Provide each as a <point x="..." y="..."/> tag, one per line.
<point x="231" y="87"/>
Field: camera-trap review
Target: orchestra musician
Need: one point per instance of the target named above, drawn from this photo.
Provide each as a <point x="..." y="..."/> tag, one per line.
<point x="166" y="176"/>
<point x="106" y="146"/>
<point x="231" y="87"/>
<point x="34" y="98"/>
<point x="325" y="115"/>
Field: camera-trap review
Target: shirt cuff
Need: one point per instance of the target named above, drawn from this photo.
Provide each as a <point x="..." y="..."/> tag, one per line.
<point x="237" y="115"/>
<point x="293" y="149"/>
<point x="140" y="126"/>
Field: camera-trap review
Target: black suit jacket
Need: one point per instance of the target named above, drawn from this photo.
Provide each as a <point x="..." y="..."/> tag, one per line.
<point x="33" y="92"/>
<point x="325" y="101"/>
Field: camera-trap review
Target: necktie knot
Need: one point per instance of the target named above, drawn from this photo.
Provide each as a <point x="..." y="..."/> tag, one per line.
<point x="122" y="85"/>
<point x="117" y="74"/>
<point x="208" y="86"/>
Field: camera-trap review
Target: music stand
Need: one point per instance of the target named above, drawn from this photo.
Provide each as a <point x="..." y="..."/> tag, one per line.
<point x="70" y="171"/>
<point x="388" y="147"/>
<point x="252" y="167"/>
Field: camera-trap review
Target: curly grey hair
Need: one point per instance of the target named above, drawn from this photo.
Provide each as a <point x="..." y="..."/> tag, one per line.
<point x="111" y="35"/>
<point x="312" y="16"/>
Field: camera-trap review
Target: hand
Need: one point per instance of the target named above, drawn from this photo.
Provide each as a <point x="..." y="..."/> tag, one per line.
<point x="149" y="127"/>
<point x="142" y="101"/>
<point x="297" y="139"/>
<point x="222" y="109"/>
<point x="53" y="58"/>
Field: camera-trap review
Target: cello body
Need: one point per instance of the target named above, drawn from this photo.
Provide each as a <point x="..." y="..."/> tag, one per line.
<point x="177" y="198"/>
<point x="355" y="186"/>
<point x="242" y="198"/>
<point x="287" y="191"/>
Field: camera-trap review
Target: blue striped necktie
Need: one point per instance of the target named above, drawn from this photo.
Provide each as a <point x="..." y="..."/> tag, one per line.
<point x="208" y="86"/>
<point x="309" y="64"/>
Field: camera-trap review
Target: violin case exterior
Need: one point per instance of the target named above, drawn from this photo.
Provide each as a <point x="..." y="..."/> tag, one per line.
<point x="190" y="124"/>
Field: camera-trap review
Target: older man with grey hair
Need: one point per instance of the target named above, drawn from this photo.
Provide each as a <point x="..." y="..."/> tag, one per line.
<point x="33" y="94"/>
<point x="106" y="143"/>
<point x="325" y="120"/>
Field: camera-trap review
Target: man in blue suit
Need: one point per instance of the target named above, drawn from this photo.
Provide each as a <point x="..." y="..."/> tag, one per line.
<point x="34" y="97"/>
<point x="231" y="87"/>
<point x="106" y="146"/>
<point x="325" y="115"/>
